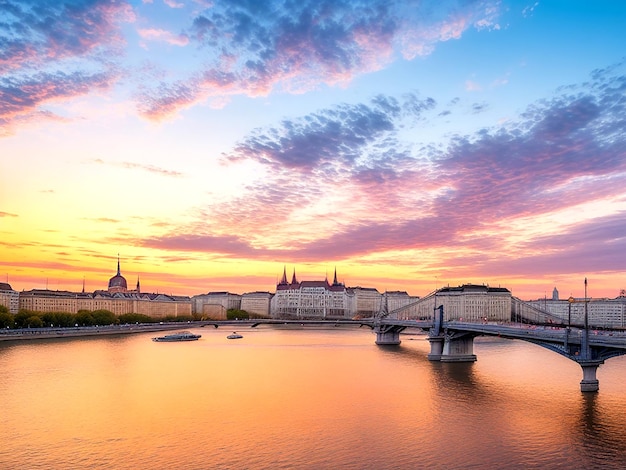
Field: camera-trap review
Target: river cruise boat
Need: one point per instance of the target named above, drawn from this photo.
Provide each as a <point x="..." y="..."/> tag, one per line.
<point x="182" y="336"/>
<point x="235" y="335"/>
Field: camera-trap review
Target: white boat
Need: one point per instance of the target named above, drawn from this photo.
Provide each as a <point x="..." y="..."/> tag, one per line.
<point x="182" y="336"/>
<point x="235" y="335"/>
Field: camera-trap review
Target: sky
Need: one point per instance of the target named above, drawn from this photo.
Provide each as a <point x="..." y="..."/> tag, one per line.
<point x="408" y="145"/>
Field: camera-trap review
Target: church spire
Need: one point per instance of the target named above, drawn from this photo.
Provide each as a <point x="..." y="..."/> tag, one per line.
<point x="335" y="278"/>
<point x="118" y="265"/>
<point x="138" y="288"/>
<point x="293" y="279"/>
<point x="284" y="279"/>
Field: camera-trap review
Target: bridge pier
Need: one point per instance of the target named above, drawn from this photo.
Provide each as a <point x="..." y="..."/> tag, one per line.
<point x="388" y="335"/>
<point x="590" y="383"/>
<point x="458" y="349"/>
<point x="436" y="348"/>
<point x="452" y="348"/>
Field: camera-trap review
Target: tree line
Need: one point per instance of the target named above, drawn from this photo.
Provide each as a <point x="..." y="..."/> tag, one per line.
<point x="30" y="319"/>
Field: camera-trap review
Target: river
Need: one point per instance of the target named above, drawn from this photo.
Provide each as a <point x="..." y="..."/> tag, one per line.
<point x="302" y="399"/>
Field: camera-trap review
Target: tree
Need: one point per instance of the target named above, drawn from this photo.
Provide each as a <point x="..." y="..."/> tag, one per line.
<point x="34" y="321"/>
<point x="84" y="318"/>
<point x="6" y="319"/>
<point x="232" y="314"/>
<point x="62" y="319"/>
<point x="104" y="317"/>
<point x="21" y="318"/>
<point x="134" y="318"/>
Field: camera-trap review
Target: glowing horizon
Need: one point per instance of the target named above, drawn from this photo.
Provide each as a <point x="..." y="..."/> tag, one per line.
<point x="409" y="144"/>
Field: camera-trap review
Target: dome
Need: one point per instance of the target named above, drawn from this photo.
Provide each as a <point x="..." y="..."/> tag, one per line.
<point x="118" y="281"/>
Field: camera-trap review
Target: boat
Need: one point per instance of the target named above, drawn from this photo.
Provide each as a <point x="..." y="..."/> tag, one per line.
<point x="235" y="335"/>
<point x="181" y="336"/>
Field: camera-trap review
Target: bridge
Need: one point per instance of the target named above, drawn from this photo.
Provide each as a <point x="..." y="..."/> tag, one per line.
<point x="453" y="340"/>
<point x="450" y="333"/>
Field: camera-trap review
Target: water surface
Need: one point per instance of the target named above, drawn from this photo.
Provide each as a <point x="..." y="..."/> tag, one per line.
<point x="302" y="399"/>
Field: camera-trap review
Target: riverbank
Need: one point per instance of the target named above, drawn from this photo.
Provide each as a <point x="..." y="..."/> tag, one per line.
<point x="80" y="331"/>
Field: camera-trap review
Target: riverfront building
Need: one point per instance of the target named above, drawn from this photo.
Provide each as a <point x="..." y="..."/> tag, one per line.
<point x="257" y="304"/>
<point x="310" y="299"/>
<point x="469" y="302"/>
<point x="214" y="305"/>
<point x="601" y="312"/>
<point x="322" y="299"/>
<point x="117" y="299"/>
<point x="9" y="298"/>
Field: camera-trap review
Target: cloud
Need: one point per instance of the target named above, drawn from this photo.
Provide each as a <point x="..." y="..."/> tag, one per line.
<point x="35" y="33"/>
<point x="164" y="36"/>
<point x="7" y="214"/>
<point x="259" y="47"/>
<point x="51" y="51"/>
<point x="198" y="243"/>
<point x="140" y="166"/>
<point x="349" y="172"/>
<point x="106" y="220"/>
<point x="21" y="97"/>
<point x="341" y="136"/>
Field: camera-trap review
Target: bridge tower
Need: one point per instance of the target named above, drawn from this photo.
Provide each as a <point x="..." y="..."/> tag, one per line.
<point x="386" y="335"/>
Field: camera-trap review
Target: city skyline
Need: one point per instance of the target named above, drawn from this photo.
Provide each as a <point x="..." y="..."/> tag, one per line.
<point x="411" y="145"/>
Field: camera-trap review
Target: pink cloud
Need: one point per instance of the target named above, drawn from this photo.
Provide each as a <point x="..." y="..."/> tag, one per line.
<point x="164" y="36"/>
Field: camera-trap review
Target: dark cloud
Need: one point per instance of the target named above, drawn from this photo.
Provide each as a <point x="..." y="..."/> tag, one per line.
<point x="36" y="32"/>
<point x="338" y="136"/>
<point x="55" y="50"/>
<point x="253" y="48"/>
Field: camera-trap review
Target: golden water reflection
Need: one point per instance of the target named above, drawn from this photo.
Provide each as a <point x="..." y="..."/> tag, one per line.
<point x="302" y="399"/>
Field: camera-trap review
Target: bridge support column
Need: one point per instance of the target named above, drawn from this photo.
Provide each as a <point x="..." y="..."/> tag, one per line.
<point x="436" y="348"/>
<point x="458" y="349"/>
<point x="388" y="335"/>
<point x="590" y="383"/>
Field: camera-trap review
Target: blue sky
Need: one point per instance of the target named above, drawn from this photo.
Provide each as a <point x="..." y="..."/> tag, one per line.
<point x="409" y="144"/>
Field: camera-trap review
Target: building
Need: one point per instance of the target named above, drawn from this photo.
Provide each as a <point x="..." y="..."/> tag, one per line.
<point x="117" y="299"/>
<point x="469" y="302"/>
<point x="257" y="304"/>
<point x="322" y="299"/>
<point x="9" y="298"/>
<point x="602" y="312"/>
<point x="118" y="284"/>
<point x="365" y="302"/>
<point x="215" y="305"/>
<point x="399" y="299"/>
<point x="310" y="299"/>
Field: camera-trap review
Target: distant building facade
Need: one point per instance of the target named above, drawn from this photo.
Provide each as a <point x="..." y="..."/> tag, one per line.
<point x="310" y="299"/>
<point x="602" y="312"/>
<point x="364" y="302"/>
<point x="9" y="298"/>
<point x="215" y="305"/>
<point x="323" y="299"/>
<point x="469" y="302"/>
<point x="257" y="304"/>
<point x="117" y="299"/>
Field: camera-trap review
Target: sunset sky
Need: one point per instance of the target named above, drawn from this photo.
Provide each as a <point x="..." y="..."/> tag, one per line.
<point x="408" y="144"/>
